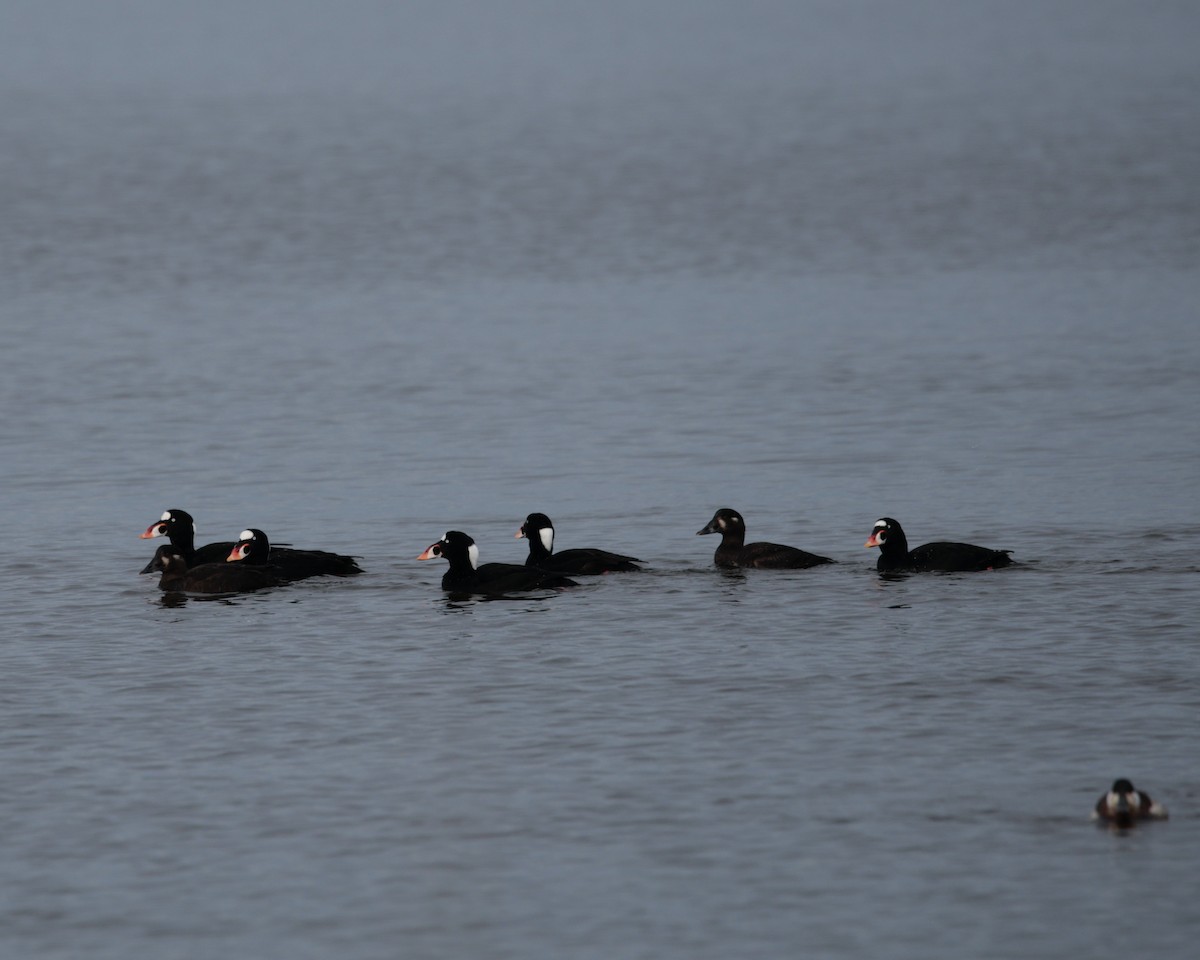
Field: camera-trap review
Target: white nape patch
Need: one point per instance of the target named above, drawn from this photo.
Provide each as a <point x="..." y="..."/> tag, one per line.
<point x="245" y="535"/>
<point x="546" y="535"/>
<point x="166" y="515"/>
<point x="473" y="556"/>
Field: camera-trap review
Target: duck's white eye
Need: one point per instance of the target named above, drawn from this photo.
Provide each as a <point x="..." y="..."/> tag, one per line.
<point x="473" y="554"/>
<point x="245" y="535"/>
<point x="166" y="515"/>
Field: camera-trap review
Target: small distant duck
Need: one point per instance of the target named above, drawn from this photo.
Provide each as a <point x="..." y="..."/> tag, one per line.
<point x="894" y="554"/>
<point x="467" y="576"/>
<point x="255" y="549"/>
<point x="178" y="577"/>
<point x="539" y="531"/>
<point x="734" y="552"/>
<point x="1123" y="806"/>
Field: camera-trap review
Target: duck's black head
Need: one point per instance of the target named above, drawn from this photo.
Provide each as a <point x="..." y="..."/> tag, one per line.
<point x="164" y="557"/>
<point x="176" y="524"/>
<point x="168" y="561"/>
<point x="723" y="521"/>
<point x="455" y="547"/>
<point x="888" y="535"/>
<point x="538" y="529"/>
<point x="252" y="546"/>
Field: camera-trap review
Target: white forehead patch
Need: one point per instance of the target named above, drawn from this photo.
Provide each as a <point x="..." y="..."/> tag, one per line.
<point x="881" y="523"/>
<point x="166" y="515"/>
<point x="245" y="535"/>
<point x="546" y="535"/>
<point x="473" y="556"/>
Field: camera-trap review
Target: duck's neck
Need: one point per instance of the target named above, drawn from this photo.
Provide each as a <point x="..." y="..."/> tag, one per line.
<point x="541" y="544"/>
<point x="183" y="538"/>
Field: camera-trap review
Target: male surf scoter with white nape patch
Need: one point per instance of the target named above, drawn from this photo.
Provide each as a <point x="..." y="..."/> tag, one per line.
<point x="467" y="576"/>
<point x="734" y="552"/>
<point x="255" y="549"/>
<point x="180" y="529"/>
<point x="539" y="531"/>
<point x="943" y="555"/>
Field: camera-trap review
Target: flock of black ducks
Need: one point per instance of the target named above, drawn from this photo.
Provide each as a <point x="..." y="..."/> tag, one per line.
<point x="253" y="563"/>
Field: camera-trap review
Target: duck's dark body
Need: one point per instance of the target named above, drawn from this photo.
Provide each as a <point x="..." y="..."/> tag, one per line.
<point x="178" y="577"/>
<point x="464" y="576"/>
<point x="255" y="548"/>
<point x="942" y="555"/>
<point x="578" y="561"/>
<point x="733" y="551"/>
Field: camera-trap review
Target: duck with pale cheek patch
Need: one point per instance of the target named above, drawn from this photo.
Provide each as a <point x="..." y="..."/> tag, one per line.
<point x="467" y="576"/>
<point x="734" y="552"/>
<point x="254" y="549"/>
<point x="539" y="531"/>
<point x="942" y="555"/>
<point x="1123" y="806"/>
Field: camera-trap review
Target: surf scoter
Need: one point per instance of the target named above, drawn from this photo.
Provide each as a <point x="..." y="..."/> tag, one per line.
<point x="180" y="529"/>
<point x="1123" y="806"/>
<point x="538" y="529"/>
<point x="467" y="576"/>
<point x="178" y="577"/>
<point x="942" y="555"/>
<point x="734" y="552"/>
<point x="255" y="549"/>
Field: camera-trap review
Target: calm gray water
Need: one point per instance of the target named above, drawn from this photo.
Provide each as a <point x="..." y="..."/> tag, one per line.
<point x="357" y="277"/>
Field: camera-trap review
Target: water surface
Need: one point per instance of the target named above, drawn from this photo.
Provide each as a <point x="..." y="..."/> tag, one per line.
<point x="359" y="281"/>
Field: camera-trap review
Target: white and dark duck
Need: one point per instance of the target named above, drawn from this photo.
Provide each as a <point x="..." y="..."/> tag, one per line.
<point x="1123" y="806"/>
<point x="467" y="576"/>
<point x="254" y="548"/>
<point x="733" y="551"/>
<point x="941" y="555"/>
<point x="216" y="578"/>
<point x="180" y="529"/>
<point x="577" y="561"/>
